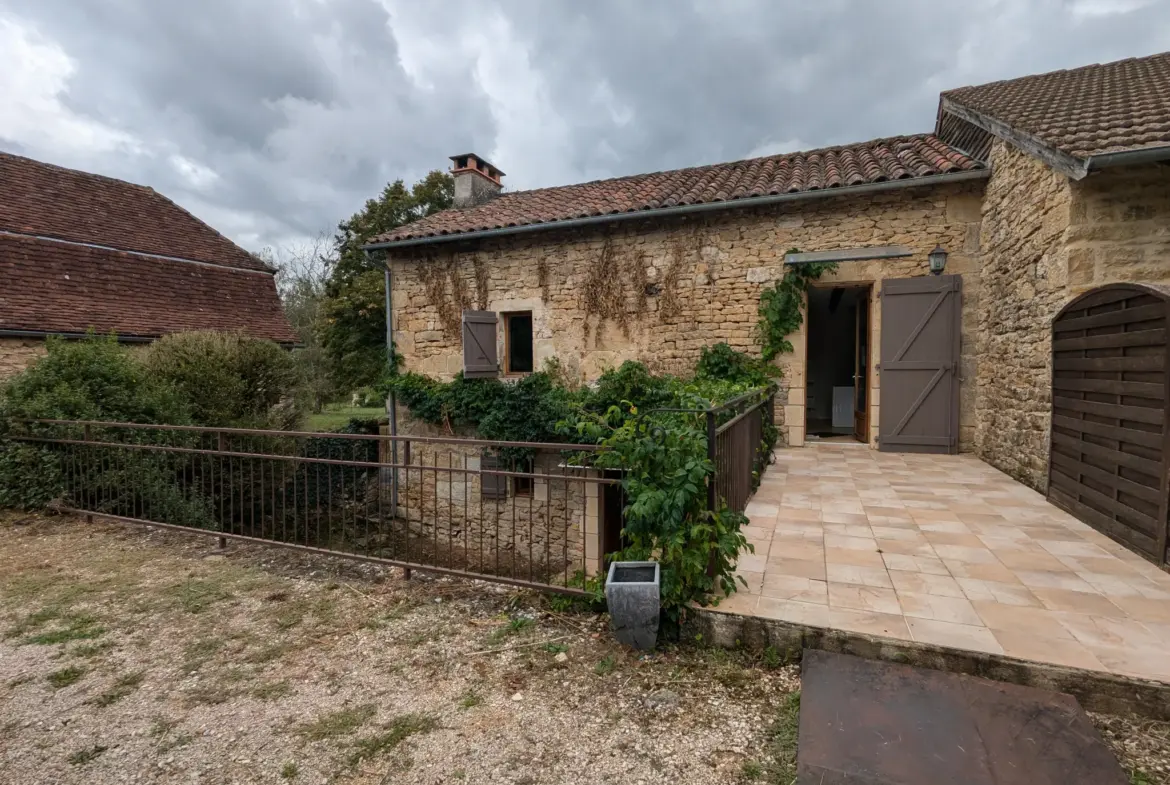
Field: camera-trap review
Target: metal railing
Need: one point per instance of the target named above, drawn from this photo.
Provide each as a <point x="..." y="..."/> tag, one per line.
<point x="523" y="513"/>
<point x="735" y="446"/>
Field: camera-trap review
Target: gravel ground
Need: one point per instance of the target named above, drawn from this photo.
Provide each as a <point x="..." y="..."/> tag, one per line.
<point x="130" y="655"/>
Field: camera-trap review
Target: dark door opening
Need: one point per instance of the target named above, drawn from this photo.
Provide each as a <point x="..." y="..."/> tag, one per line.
<point x="837" y="370"/>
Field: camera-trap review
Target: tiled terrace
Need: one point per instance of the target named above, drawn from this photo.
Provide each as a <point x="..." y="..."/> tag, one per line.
<point x="948" y="551"/>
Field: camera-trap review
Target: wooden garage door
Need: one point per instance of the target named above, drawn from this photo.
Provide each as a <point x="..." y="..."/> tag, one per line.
<point x="1108" y="458"/>
<point x="919" y="366"/>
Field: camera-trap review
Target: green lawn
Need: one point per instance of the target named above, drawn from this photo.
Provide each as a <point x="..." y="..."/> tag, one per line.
<point x="333" y="416"/>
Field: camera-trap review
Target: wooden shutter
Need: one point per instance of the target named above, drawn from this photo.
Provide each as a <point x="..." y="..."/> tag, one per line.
<point x="919" y="367"/>
<point x="492" y="486"/>
<point x="1109" y="462"/>
<point x="479" y="345"/>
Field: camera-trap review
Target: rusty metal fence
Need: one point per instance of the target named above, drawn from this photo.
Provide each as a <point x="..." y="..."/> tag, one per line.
<point x="527" y="514"/>
<point x="736" y="448"/>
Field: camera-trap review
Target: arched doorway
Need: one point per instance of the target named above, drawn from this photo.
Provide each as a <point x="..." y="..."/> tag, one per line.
<point x="1110" y="446"/>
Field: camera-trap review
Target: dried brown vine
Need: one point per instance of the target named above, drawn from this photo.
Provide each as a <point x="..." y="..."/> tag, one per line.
<point x="603" y="295"/>
<point x="542" y="279"/>
<point x="682" y="245"/>
<point x="481" y="282"/>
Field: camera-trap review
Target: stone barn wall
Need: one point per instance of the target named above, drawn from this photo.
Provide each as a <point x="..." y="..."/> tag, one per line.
<point x="16" y="354"/>
<point x="1046" y="239"/>
<point x="659" y="291"/>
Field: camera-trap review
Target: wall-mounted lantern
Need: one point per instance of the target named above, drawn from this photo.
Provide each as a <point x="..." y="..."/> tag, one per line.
<point x="937" y="259"/>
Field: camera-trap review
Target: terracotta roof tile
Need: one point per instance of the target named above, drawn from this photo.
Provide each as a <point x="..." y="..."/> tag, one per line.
<point x="1124" y="105"/>
<point x="63" y="287"/>
<point x="42" y="199"/>
<point x="896" y="158"/>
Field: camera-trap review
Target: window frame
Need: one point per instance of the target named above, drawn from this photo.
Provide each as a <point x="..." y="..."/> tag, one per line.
<point x="506" y="317"/>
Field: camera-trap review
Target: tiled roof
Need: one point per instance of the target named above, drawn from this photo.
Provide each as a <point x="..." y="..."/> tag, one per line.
<point x="42" y="199"/>
<point x="50" y="286"/>
<point x="897" y="158"/>
<point x="1086" y="111"/>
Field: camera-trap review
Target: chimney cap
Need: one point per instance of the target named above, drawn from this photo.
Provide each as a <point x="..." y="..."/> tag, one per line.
<point x="476" y="163"/>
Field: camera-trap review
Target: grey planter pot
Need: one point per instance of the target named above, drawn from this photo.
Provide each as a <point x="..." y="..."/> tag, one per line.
<point x="633" y="594"/>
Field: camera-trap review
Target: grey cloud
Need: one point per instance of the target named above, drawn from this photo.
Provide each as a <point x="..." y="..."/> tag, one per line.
<point x="304" y="109"/>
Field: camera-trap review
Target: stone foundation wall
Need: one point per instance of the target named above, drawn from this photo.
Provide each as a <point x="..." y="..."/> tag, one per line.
<point x="545" y="534"/>
<point x="660" y="291"/>
<point x="1045" y="240"/>
<point x="16" y="354"/>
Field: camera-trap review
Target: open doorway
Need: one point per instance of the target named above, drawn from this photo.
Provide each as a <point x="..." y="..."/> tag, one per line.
<point x="837" y="369"/>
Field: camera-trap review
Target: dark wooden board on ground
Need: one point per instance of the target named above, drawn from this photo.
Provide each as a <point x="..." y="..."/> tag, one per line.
<point x="864" y="722"/>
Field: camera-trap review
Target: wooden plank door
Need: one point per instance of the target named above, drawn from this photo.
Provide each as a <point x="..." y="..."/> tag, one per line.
<point x="919" y="364"/>
<point x="1109" y="459"/>
<point x="861" y="371"/>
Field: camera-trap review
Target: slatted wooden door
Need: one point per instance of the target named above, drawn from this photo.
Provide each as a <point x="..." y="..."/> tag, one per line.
<point x="1110" y="446"/>
<point x="919" y="365"/>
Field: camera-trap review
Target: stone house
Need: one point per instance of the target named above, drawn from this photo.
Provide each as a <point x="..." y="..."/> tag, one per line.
<point x="82" y="252"/>
<point x="1028" y="192"/>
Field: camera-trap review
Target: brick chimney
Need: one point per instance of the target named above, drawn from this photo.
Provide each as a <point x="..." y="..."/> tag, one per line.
<point x="476" y="181"/>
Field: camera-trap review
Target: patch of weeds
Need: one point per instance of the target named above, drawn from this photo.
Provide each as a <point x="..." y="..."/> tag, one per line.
<point x="470" y="699"/>
<point x="606" y="665"/>
<point x="399" y="730"/>
<point x="515" y="626"/>
<point x="269" y="653"/>
<point x="337" y="723"/>
<point x="161" y="727"/>
<point x="122" y="686"/>
<point x="271" y="691"/>
<point x="289" y="770"/>
<point x="197" y="653"/>
<point x="751" y="771"/>
<point x="781" y="745"/>
<point x="1139" y="777"/>
<point x="196" y="596"/>
<point x="64" y="677"/>
<point x="79" y="627"/>
<point x="86" y="755"/>
<point x="459" y="774"/>
<point x="33" y="620"/>
<point x="556" y="648"/>
<point x="208" y="695"/>
<point x="88" y="650"/>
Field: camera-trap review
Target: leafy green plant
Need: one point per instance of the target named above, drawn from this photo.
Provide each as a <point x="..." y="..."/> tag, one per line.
<point x="606" y="665"/>
<point x="722" y="362"/>
<point x="65" y="677"/>
<point x="781" y="305"/>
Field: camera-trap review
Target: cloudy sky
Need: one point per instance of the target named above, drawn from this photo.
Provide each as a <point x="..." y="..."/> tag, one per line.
<point x="274" y="119"/>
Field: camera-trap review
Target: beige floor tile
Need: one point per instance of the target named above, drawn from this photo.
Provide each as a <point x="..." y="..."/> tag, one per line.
<point x="1032" y="560"/>
<point x="797" y="567"/>
<point x="1101" y="565"/>
<point x="1111" y="586"/>
<point x="793" y="587"/>
<point x="836" y="541"/>
<point x="1101" y="631"/>
<point x="955" y="636"/>
<point x="1057" y="651"/>
<point x="807" y="550"/>
<point x="994" y="591"/>
<point x="863" y="598"/>
<point x="854" y="518"/>
<point x="951" y="538"/>
<point x="886" y="625"/>
<point x="957" y="610"/>
<point x="859" y="575"/>
<point x="759" y="508"/>
<point x="753" y="581"/>
<point x="1018" y="618"/>
<point x="1078" y="602"/>
<point x="792" y="514"/>
<point x="1144" y="609"/>
<point x="751" y="562"/>
<point x="1068" y="581"/>
<point x="922" y="564"/>
<point x="923" y="583"/>
<point x="909" y="534"/>
<point x="857" y="558"/>
<point x="795" y="612"/>
<point x="909" y="547"/>
<point x="1065" y="548"/>
<point x="1132" y="662"/>
<point x="965" y="554"/>
<point x="850" y="530"/>
<point x="739" y="602"/>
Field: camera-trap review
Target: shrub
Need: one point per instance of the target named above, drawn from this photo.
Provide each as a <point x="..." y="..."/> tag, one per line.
<point x="724" y="363"/>
<point x="229" y="379"/>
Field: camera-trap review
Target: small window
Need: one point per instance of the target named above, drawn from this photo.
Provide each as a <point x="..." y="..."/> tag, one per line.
<point x="522" y="486"/>
<point x="518" y="342"/>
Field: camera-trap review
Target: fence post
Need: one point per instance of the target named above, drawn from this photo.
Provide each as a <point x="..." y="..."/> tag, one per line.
<point x="222" y="447"/>
<point x="712" y="490"/>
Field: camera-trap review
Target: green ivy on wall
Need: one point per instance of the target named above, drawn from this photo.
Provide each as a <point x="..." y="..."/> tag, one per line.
<point x="781" y="306"/>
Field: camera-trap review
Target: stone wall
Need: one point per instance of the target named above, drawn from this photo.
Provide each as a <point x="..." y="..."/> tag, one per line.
<point x="16" y="354"/>
<point x="1045" y="240"/>
<point x="660" y="291"/>
<point x="544" y="534"/>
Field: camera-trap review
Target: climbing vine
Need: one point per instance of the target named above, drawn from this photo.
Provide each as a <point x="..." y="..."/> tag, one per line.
<point x="447" y="292"/>
<point x="542" y="279"/>
<point x="781" y="305"/>
<point x="481" y="282"/>
<point x="691" y="243"/>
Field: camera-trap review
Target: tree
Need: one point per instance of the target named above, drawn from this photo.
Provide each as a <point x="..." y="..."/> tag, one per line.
<point x="353" y="324"/>
<point x="302" y="273"/>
